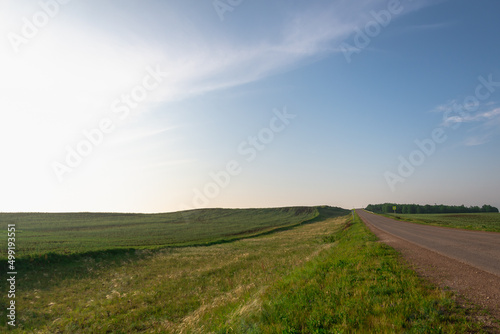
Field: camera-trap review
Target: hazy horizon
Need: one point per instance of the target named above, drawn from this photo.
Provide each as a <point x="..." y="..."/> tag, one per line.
<point x="223" y="208"/>
<point x="162" y="106"/>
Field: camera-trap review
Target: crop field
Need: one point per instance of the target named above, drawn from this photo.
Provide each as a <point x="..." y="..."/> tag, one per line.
<point x="468" y="221"/>
<point x="73" y="233"/>
<point x="329" y="275"/>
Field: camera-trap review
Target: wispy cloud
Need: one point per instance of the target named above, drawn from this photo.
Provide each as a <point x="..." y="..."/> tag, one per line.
<point x="169" y="164"/>
<point x="94" y="66"/>
<point x="219" y="62"/>
<point x="472" y="117"/>
<point x="484" y="116"/>
<point x="70" y="73"/>
<point x="135" y="135"/>
<point x="487" y="130"/>
<point x="477" y="140"/>
<point x="66" y="78"/>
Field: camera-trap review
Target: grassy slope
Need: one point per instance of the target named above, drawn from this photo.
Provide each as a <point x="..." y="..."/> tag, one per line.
<point x="316" y="278"/>
<point x="167" y="289"/>
<point x="69" y="233"/>
<point x="468" y="221"/>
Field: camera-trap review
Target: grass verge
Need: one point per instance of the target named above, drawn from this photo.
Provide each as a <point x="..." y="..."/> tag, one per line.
<point x="360" y="285"/>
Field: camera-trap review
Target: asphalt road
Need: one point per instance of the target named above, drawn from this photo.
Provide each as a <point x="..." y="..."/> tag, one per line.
<point x="478" y="249"/>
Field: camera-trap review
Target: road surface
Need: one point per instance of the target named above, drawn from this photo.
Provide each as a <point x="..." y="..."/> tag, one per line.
<point x="478" y="249"/>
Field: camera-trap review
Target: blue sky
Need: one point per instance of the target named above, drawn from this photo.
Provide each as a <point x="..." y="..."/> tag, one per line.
<point x="158" y="106"/>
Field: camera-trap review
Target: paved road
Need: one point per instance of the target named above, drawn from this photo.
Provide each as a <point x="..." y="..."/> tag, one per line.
<point x="478" y="249"/>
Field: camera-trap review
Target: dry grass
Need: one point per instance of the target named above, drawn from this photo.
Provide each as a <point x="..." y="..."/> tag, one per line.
<point x="183" y="290"/>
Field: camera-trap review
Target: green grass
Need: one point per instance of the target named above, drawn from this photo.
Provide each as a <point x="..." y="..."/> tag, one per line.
<point x="69" y="233"/>
<point x="158" y="290"/>
<point x="322" y="277"/>
<point x="469" y="221"/>
<point x="360" y="285"/>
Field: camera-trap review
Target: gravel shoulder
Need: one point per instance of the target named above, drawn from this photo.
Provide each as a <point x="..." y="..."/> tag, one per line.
<point x="472" y="285"/>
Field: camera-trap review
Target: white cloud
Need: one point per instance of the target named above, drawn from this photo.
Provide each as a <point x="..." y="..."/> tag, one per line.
<point x="134" y="135"/>
<point x="73" y="71"/>
<point x="472" y="117"/>
<point x="65" y="78"/>
<point x="489" y="114"/>
<point x="216" y="63"/>
<point x="486" y="120"/>
<point x="477" y="140"/>
<point x="488" y="129"/>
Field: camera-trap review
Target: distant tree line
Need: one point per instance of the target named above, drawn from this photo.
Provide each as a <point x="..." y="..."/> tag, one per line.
<point x="416" y="208"/>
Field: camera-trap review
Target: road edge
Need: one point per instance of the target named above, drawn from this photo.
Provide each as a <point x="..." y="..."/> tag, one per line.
<point x="473" y="285"/>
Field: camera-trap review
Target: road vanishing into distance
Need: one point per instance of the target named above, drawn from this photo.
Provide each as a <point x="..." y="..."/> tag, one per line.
<point x="478" y="249"/>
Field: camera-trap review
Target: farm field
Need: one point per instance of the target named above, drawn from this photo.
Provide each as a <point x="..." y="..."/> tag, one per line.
<point x="469" y="221"/>
<point x="73" y="233"/>
<point x="330" y="275"/>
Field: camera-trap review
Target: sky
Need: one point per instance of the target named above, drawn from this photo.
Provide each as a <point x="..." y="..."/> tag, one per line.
<point x="159" y="106"/>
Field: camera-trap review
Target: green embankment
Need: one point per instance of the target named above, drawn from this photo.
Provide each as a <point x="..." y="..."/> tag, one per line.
<point x="166" y="289"/>
<point x="71" y="233"/>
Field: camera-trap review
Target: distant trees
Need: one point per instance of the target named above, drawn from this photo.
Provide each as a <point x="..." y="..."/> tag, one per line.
<point x="416" y="208"/>
<point x="488" y="208"/>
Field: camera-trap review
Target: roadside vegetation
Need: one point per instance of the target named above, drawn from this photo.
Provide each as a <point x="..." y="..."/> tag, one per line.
<point x="360" y="285"/>
<point x="327" y="275"/>
<point x="468" y="221"/>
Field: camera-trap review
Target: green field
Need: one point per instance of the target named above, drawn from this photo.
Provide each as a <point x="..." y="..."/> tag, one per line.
<point x="327" y="276"/>
<point x="70" y="233"/>
<point x="468" y="221"/>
